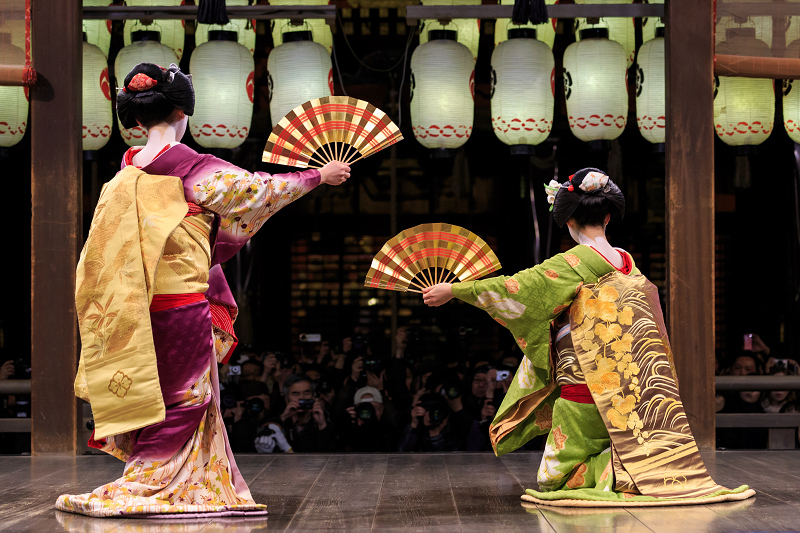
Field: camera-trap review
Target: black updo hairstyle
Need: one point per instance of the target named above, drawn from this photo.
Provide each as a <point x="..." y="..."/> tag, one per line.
<point x="588" y="208"/>
<point x="152" y="93"/>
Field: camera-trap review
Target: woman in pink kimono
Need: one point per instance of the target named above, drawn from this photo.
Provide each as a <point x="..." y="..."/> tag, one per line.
<point x="156" y="314"/>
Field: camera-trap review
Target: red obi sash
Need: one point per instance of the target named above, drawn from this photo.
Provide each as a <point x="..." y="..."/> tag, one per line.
<point x="576" y="393"/>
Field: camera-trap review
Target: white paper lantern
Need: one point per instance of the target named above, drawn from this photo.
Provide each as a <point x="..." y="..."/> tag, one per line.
<point x="744" y="108"/>
<point x="650" y="90"/>
<point x="13" y="100"/>
<point x="468" y="31"/>
<point x="245" y="29"/>
<point x="96" y="98"/>
<point x="621" y="30"/>
<point x="172" y="30"/>
<point x="98" y="32"/>
<point x="442" y="86"/>
<point x="222" y="75"/>
<point x="319" y="28"/>
<point x="523" y="82"/>
<point x="791" y="98"/>
<point x="595" y="86"/>
<point x="544" y="32"/>
<point x="299" y="71"/>
<point x="146" y="50"/>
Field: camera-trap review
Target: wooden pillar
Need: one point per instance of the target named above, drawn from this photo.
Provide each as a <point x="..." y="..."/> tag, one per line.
<point x="689" y="52"/>
<point x="56" y="226"/>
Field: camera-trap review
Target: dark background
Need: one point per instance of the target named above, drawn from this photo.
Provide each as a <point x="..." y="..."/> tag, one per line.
<point x="309" y="262"/>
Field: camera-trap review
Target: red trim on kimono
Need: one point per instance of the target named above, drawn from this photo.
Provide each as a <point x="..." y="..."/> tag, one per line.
<point x="162" y="302"/>
<point x="194" y="209"/>
<point x="221" y="318"/>
<point x="96" y="444"/>
<point x="127" y="158"/>
<point x="576" y="393"/>
<point x="627" y="262"/>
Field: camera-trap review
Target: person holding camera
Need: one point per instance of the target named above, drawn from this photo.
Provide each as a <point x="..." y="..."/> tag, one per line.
<point x="430" y="429"/>
<point x="370" y="429"/>
<point x="253" y="412"/>
<point x="304" y="420"/>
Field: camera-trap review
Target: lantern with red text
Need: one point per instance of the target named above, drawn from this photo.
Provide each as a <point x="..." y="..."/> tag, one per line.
<point x="522" y="90"/>
<point x="595" y="86"/>
<point x="146" y="48"/>
<point x="650" y="90"/>
<point x="744" y="108"/>
<point x="442" y="85"/>
<point x="96" y="98"/>
<point x="299" y="71"/>
<point x="222" y="75"/>
<point x="13" y="100"/>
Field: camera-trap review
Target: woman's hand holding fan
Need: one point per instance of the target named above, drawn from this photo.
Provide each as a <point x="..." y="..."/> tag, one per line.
<point x="334" y="173"/>
<point x="437" y="295"/>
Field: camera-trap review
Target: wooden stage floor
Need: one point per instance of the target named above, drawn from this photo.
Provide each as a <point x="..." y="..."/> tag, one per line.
<point x="438" y="492"/>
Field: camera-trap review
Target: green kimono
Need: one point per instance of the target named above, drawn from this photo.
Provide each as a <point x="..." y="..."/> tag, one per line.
<point x="632" y="445"/>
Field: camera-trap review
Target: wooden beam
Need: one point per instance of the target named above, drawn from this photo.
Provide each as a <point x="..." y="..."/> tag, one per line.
<point x="415" y="13"/>
<point x="257" y="12"/>
<point x="56" y="225"/>
<point x="689" y="52"/>
<point x="12" y="75"/>
<point x="776" y="68"/>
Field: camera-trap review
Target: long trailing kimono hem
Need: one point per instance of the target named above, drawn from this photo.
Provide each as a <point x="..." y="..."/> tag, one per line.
<point x="571" y="498"/>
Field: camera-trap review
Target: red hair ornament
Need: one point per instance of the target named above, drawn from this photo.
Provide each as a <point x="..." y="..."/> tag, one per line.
<point x="141" y="82"/>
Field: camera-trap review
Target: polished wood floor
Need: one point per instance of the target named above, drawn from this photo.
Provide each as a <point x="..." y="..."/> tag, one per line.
<point x="465" y="492"/>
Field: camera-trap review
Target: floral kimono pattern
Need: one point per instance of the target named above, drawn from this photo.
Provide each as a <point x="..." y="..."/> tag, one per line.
<point x="631" y="443"/>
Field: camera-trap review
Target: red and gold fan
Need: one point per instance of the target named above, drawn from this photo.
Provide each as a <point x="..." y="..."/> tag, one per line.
<point x="428" y="254"/>
<point x="333" y="128"/>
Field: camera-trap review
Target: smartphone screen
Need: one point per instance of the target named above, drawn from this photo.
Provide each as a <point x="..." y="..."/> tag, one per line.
<point x="748" y="341"/>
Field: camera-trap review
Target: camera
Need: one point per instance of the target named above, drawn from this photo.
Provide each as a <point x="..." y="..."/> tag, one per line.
<point x="502" y="375"/>
<point x="436" y="407"/>
<point x="254" y="406"/>
<point x="235" y="370"/>
<point x="310" y="337"/>
<point x="265" y="431"/>
<point x="305" y="404"/>
<point x="227" y="400"/>
<point x="372" y="364"/>
<point x="365" y="412"/>
<point x="453" y="389"/>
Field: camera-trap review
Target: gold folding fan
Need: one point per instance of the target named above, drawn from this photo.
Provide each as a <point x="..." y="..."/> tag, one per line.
<point x="333" y="128"/>
<point x="428" y="254"/>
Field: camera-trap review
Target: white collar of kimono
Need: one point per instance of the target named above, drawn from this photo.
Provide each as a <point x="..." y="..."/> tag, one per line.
<point x="601" y="245"/>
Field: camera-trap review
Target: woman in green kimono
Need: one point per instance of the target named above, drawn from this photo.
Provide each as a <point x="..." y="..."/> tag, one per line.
<point x="598" y="374"/>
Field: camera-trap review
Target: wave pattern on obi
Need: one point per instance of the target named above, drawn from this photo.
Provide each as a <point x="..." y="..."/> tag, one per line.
<point x="619" y="337"/>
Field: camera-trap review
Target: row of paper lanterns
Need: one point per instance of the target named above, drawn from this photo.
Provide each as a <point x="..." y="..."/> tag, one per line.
<point x="221" y="65"/>
<point x="595" y="81"/>
<point x="442" y="79"/>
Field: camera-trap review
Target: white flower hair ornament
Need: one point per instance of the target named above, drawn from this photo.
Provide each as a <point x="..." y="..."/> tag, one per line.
<point x="552" y="189"/>
<point x="592" y="181"/>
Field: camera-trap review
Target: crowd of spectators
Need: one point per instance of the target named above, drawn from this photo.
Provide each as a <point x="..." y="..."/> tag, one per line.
<point x="347" y="396"/>
<point x="755" y="358"/>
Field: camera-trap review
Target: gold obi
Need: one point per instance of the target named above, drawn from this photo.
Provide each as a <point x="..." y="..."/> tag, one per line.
<point x="184" y="266"/>
<point x="567" y="367"/>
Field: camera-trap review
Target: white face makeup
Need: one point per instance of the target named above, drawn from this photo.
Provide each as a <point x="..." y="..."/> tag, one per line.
<point x="180" y="128"/>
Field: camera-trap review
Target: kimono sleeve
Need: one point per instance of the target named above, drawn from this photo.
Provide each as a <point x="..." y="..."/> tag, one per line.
<point x="245" y="200"/>
<point x="525" y="304"/>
